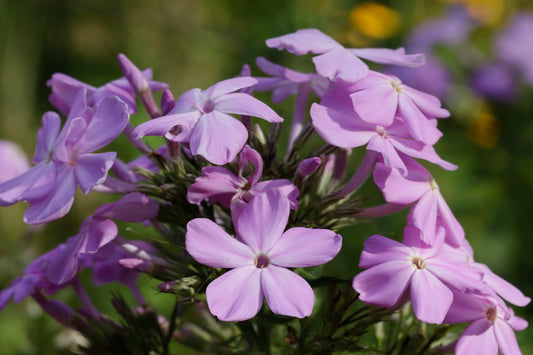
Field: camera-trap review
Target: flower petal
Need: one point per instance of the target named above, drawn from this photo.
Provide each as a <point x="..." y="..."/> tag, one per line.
<point x="339" y="63"/>
<point x="91" y="169"/>
<point x="236" y="295"/>
<point x="162" y="125"/>
<point x="506" y="338"/>
<point x="383" y="96"/>
<point x="210" y="245"/>
<point x="287" y="293"/>
<point x="224" y="87"/>
<point x="244" y="104"/>
<point x="430" y="297"/>
<point x="478" y="338"/>
<point x="303" y="41"/>
<point x="302" y="247"/>
<point x="390" y="56"/>
<point x="217" y="184"/>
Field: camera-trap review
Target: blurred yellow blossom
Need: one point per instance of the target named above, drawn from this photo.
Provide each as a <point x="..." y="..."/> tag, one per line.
<point x="488" y="12"/>
<point x="484" y="130"/>
<point x="374" y="20"/>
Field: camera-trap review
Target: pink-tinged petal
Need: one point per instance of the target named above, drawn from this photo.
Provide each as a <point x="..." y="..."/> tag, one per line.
<point x="91" y="169"/>
<point x="211" y="245"/>
<point x="339" y="129"/>
<point x="502" y="287"/>
<point x="162" y="125"/>
<point x="454" y="231"/>
<point x="389" y="154"/>
<point x="263" y="221"/>
<point x="390" y="56"/>
<point x="217" y="184"/>
<point x="224" y="87"/>
<point x="383" y="96"/>
<point x="420" y="150"/>
<point x="395" y="187"/>
<point x="466" y="307"/>
<point x="505" y="338"/>
<point x="99" y="233"/>
<point x="302" y="247"/>
<point x="477" y="339"/>
<point x="452" y="268"/>
<point x="424" y="215"/>
<point x="287" y="293"/>
<point x="379" y="250"/>
<point x="430" y="297"/>
<point x="58" y="201"/>
<point x="428" y="104"/>
<point x="218" y="137"/>
<point x="417" y="123"/>
<point x="13" y="161"/>
<point x="244" y="104"/>
<point x="64" y="266"/>
<point x="46" y="137"/>
<point x="251" y="156"/>
<point x="133" y="207"/>
<point x="25" y="287"/>
<point x="187" y="101"/>
<point x="284" y="186"/>
<point x="236" y="295"/>
<point x="384" y="284"/>
<point x="517" y="323"/>
<point x="107" y="123"/>
<point x="303" y="41"/>
<point x="280" y="71"/>
<point x="65" y="90"/>
<point x="339" y="63"/>
<point x="32" y="185"/>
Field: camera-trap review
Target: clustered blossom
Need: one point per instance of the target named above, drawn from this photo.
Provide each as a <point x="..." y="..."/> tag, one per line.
<point x="218" y="192"/>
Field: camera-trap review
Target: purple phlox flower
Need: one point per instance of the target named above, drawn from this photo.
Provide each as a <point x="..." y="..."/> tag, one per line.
<point x="65" y="89"/>
<point x="259" y="260"/>
<point x="514" y="45"/>
<point x="336" y="62"/>
<point x="430" y="210"/>
<point x="97" y="231"/>
<point x="218" y="184"/>
<point x="33" y="280"/>
<point x="202" y="119"/>
<point x="64" y="160"/>
<point x="451" y="29"/>
<point x="285" y="82"/>
<point x="431" y="275"/>
<point x="492" y="328"/>
<point x="167" y="102"/>
<point x="13" y="161"/>
<point x="380" y="98"/>
<point x="338" y="124"/>
<point x="494" y="81"/>
<point x="433" y="77"/>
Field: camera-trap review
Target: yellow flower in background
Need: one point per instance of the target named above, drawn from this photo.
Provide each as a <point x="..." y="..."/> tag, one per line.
<point x="488" y="12"/>
<point x="484" y="130"/>
<point x="374" y="20"/>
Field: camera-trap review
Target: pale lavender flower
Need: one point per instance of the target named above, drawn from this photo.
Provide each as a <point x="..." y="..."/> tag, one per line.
<point x="430" y="210"/>
<point x="64" y="159"/>
<point x="336" y="62"/>
<point x="431" y="275"/>
<point x="202" y="119"/>
<point x="218" y="184"/>
<point x="259" y="259"/>
<point x="13" y="161"/>
<point x="494" y="81"/>
<point x="492" y="328"/>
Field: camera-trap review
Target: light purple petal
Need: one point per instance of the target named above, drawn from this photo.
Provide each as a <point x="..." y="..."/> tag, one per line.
<point x="428" y="104"/>
<point x="384" y="284"/>
<point x="395" y="187"/>
<point x="303" y="41"/>
<point x="162" y="125"/>
<point x="454" y="231"/>
<point x="389" y="154"/>
<point x="229" y="85"/>
<point x="237" y="295"/>
<point x="430" y="297"/>
<point x="382" y="96"/>
<point x="211" y="245"/>
<point x="58" y="201"/>
<point x="419" y="150"/>
<point x="244" y="104"/>
<point x="284" y="186"/>
<point x="339" y="129"/>
<point x="91" y="169"/>
<point x="302" y="247"/>
<point x="218" y="137"/>
<point x="263" y="221"/>
<point x="506" y="338"/>
<point x="133" y="207"/>
<point x="339" y="63"/>
<point x="477" y="339"/>
<point x="390" y="56"/>
<point x="287" y="293"/>
<point x="379" y="250"/>
<point x="217" y="184"/>
<point x="30" y="186"/>
<point x="417" y="123"/>
<point x="251" y="156"/>
<point x="46" y="137"/>
<point x="424" y="215"/>
<point x="502" y="287"/>
<point x="99" y="233"/>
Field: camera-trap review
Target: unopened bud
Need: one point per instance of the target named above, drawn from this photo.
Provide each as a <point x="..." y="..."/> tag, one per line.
<point x="133" y="74"/>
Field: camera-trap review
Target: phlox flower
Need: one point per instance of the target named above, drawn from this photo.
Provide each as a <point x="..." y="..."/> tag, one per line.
<point x="218" y="184"/>
<point x="430" y="210"/>
<point x="336" y="62"/>
<point x="492" y="328"/>
<point x="13" y="161"/>
<point x="64" y="159"/>
<point x="430" y="275"/>
<point x="259" y="258"/>
<point x="202" y="119"/>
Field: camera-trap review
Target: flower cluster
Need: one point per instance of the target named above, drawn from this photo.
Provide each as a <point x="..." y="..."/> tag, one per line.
<point x="221" y="197"/>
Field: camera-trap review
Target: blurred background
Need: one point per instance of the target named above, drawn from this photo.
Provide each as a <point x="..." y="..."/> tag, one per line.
<point x="479" y="64"/>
